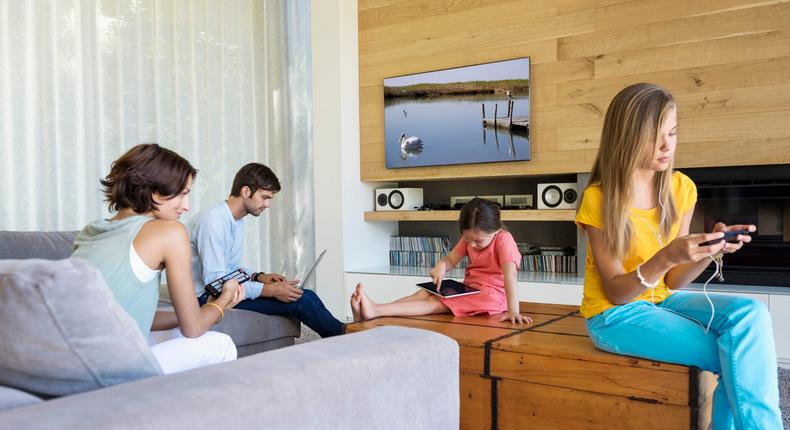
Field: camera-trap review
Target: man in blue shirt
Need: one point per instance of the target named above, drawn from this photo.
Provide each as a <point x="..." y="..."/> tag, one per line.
<point x="217" y="237"/>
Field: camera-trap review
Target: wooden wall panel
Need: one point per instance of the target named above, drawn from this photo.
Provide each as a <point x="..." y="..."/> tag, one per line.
<point x="727" y="62"/>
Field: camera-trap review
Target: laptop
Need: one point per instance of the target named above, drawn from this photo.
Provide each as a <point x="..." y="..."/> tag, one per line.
<point x="450" y="288"/>
<point x="312" y="269"/>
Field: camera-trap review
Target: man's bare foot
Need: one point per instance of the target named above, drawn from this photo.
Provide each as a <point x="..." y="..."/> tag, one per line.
<point x="355" y="305"/>
<point x="367" y="307"/>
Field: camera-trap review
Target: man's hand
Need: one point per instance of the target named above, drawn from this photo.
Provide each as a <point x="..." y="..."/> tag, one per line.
<point x="270" y="278"/>
<point x="282" y="291"/>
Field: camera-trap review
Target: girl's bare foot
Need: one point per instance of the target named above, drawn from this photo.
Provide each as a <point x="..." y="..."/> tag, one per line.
<point x="367" y="307"/>
<point x="355" y="305"/>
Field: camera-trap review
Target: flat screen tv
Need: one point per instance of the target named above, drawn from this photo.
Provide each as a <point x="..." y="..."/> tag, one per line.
<point x="472" y="114"/>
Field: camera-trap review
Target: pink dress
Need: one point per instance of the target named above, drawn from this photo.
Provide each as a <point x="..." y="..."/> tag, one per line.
<point x="484" y="273"/>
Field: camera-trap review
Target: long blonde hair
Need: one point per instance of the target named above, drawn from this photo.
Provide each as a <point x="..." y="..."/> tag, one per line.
<point x="631" y="131"/>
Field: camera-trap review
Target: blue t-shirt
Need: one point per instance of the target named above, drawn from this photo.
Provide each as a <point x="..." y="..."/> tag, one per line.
<point x="217" y="240"/>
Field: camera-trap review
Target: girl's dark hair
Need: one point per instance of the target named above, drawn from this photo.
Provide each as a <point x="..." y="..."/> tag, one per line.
<point x="480" y="214"/>
<point x="143" y="170"/>
<point x="256" y="176"/>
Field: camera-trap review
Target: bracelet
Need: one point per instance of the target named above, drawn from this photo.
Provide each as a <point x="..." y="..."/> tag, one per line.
<point x="642" y="280"/>
<point x="221" y="312"/>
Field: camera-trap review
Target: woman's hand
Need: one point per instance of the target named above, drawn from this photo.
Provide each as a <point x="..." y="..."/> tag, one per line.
<point x="515" y="318"/>
<point x="729" y="248"/>
<point x="689" y="248"/>
<point x="232" y="294"/>
<point x="438" y="272"/>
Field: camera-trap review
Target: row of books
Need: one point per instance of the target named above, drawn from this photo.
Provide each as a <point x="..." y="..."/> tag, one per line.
<point x="425" y="251"/>
<point x="549" y="263"/>
<point x="420" y="243"/>
<point x="419" y="258"/>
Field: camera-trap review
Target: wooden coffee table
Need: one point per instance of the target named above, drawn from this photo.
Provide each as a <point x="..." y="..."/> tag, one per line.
<point x="548" y="375"/>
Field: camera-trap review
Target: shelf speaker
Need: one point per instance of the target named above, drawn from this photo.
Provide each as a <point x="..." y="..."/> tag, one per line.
<point x="558" y="196"/>
<point x="398" y="199"/>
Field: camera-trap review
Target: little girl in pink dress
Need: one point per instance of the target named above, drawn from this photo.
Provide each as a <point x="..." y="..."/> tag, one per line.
<point x="493" y="265"/>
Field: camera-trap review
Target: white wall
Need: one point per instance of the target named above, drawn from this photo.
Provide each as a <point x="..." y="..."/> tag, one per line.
<point x="341" y="198"/>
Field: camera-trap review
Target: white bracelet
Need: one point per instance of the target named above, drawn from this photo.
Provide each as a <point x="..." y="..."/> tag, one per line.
<point x="642" y="280"/>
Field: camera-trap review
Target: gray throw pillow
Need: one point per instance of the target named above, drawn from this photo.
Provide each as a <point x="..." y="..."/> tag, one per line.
<point x="62" y="332"/>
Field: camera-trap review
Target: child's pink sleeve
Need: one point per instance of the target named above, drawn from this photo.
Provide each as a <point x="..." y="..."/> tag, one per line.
<point x="460" y="248"/>
<point x="506" y="250"/>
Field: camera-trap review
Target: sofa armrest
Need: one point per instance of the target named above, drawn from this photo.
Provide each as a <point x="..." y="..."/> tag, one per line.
<point x="389" y="377"/>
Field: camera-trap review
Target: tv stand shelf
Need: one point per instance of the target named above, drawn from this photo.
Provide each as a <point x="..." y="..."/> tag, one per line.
<point x="506" y="215"/>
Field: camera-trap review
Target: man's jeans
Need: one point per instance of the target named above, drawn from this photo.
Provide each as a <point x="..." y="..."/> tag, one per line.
<point x="309" y="309"/>
<point x="739" y="348"/>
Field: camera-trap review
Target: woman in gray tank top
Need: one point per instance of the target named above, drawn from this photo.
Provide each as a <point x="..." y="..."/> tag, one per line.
<point x="148" y="189"/>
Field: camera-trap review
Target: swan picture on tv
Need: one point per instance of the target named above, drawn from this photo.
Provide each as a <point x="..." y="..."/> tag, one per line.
<point x="472" y="114"/>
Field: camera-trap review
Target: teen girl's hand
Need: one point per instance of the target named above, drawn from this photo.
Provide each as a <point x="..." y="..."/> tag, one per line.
<point x="515" y="318"/>
<point x="689" y="248"/>
<point x="729" y="248"/>
<point x="232" y="293"/>
<point x="437" y="273"/>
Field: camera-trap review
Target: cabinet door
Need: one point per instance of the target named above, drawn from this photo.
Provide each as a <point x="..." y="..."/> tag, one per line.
<point x="552" y="293"/>
<point x="780" y="314"/>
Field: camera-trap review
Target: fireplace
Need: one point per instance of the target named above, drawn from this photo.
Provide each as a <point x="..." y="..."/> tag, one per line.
<point x="757" y="195"/>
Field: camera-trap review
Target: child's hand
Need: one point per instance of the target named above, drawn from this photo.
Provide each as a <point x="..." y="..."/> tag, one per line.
<point x="515" y="318"/>
<point x="437" y="274"/>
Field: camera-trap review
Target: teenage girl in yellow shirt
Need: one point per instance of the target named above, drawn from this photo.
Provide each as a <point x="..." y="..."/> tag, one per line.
<point x="636" y="214"/>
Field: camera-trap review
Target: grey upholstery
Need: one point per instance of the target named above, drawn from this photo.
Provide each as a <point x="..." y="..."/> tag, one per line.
<point x="389" y="377"/>
<point x="250" y="331"/>
<point x="253" y="332"/>
<point x="384" y="378"/>
<point x="62" y="331"/>
<point x="49" y="245"/>
<point x="11" y="398"/>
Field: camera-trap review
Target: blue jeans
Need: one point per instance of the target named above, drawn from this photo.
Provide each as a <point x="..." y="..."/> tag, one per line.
<point x="309" y="309"/>
<point x="739" y="348"/>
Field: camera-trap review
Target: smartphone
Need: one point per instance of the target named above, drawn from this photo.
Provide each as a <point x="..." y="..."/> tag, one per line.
<point x="729" y="236"/>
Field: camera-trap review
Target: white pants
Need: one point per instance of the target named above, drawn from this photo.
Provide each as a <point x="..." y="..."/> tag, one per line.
<point x="177" y="353"/>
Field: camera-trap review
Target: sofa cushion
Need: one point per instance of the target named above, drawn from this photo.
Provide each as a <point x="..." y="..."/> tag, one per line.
<point x="49" y="245"/>
<point x="248" y="327"/>
<point x="62" y="331"/>
<point x="11" y="398"/>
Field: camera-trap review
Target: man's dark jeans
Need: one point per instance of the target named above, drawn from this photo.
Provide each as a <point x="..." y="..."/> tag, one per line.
<point x="309" y="309"/>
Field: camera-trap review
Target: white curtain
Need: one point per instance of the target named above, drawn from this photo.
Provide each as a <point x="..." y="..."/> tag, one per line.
<point x="221" y="82"/>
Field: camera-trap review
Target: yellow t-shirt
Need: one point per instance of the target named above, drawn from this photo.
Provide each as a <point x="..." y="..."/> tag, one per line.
<point x="644" y="243"/>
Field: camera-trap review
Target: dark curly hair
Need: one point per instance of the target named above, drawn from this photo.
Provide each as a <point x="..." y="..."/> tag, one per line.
<point x="143" y="170"/>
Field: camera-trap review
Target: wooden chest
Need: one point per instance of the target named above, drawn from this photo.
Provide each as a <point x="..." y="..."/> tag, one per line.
<point x="548" y="375"/>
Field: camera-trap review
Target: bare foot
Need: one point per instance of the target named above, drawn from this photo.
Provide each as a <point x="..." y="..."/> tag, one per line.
<point x="367" y="307"/>
<point x="355" y="305"/>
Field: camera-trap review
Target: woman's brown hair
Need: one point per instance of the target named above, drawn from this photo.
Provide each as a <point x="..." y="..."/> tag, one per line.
<point x="631" y="131"/>
<point x="143" y="170"/>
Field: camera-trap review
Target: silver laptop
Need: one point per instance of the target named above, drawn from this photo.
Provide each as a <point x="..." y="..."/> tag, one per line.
<point x="312" y="269"/>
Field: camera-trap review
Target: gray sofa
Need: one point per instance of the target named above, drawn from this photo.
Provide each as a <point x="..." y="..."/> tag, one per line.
<point x="251" y="332"/>
<point x="63" y="335"/>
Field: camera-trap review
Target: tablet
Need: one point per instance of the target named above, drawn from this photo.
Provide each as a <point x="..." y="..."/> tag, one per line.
<point x="450" y="288"/>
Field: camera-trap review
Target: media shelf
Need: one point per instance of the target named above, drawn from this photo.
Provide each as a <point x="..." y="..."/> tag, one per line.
<point x="506" y="215"/>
